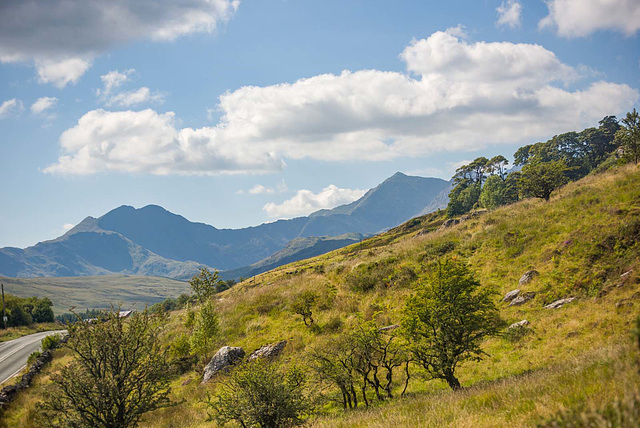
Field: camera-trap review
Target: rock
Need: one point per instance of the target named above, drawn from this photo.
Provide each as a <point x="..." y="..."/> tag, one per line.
<point x="528" y="276"/>
<point x="519" y="324"/>
<point x="223" y="359"/>
<point x="389" y="327"/>
<point x="522" y="298"/>
<point x="626" y="274"/>
<point x="448" y="223"/>
<point x="511" y="295"/>
<point x="187" y="382"/>
<point x="559" y="303"/>
<point x="268" y="351"/>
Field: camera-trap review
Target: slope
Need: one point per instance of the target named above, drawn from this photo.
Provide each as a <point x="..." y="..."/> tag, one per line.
<point x="584" y="242"/>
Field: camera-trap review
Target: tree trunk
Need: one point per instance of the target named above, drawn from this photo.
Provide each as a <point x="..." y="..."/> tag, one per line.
<point x="453" y="382"/>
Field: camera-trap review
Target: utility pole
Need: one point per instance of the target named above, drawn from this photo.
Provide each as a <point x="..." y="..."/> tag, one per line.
<point x="4" y="317"/>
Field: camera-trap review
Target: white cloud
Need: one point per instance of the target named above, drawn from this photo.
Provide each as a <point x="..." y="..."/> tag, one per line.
<point x="509" y="14"/>
<point x="12" y="107"/>
<point x="579" y="18"/>
<point x="148" y="142"/>
<point x="459" y="96"/>
<point x="259" y="189"/>
<point x="43" y="104"/>
<point x="138" y="96"/>
<point x="67" y="227"/>
<point x="306" y="202"/>
<point x="61" y="72"/>
<point x="113" y="80"/>
<point x="61" y="37"/>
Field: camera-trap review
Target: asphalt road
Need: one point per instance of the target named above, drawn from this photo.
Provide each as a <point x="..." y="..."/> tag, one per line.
<point x="14" y="353"/>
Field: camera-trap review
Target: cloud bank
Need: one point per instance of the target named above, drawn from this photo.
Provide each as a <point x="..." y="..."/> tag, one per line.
<point x="305" y="201"/>
<point x="455" y="96"/>
<point x="61" y="37"/>
<point x="579" y="18"/>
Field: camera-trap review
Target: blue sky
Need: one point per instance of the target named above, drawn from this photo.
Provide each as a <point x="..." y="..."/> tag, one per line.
<point x="237" y="113"/>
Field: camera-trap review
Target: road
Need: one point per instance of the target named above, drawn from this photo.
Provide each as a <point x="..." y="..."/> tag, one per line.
<point x="14" y="353"/>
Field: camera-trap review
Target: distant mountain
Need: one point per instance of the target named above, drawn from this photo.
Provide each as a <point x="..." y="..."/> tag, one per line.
<point x="154" y="241"/>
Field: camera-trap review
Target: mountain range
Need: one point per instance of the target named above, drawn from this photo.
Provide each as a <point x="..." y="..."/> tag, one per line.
<point x="154" y="241"/>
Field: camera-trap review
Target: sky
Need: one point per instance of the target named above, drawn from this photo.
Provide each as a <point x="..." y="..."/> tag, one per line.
<point x="235" y="113"/>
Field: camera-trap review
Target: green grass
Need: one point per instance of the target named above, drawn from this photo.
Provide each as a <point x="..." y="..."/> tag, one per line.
<point x="581" y="241"/>
<point x="89" y="292"/>
<point x="16" y="332"/>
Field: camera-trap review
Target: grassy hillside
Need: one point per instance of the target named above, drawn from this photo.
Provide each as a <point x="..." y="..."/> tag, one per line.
<point x="97" y="291"/>
<point x="576" y="357"/>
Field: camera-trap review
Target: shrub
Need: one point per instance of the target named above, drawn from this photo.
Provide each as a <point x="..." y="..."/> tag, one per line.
<point x="50" y="342"/>
<point x="33" y="357"/>
<point x="118" y="373"/>
<point x="260" y="393"/>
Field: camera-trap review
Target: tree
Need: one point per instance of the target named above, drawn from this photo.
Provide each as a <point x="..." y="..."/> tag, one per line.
<point x="206" y="325"/>
<point x="260" y="393"/>
<point x="448" y="318"/>
<point x="118" y="373"/>
<point x="205" y="284"/>
<point x="539" y="179"/>
<point x="628" y="136"/>
<point x="303" y="305"/>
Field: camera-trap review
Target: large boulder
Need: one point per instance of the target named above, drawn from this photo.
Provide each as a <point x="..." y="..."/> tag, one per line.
<point x="226" y="357"/>
<point x="527" y="277"/>
<point x="511" y="295"/>
<point x="522" y="298"/>
<point x="559" y="303"/>
<point x="268" y="351"/>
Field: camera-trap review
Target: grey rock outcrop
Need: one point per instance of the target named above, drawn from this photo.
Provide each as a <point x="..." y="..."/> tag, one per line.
<point x="511" y="295"/>
<point x="527" y="277"/>
<point x="519" y="324"/>
<point x="559" y="303"/>
<point x="268" y="351"/>
<point x="222" y="360"/>
<point x="522" y="298"/>
<point x="448" y="223"/>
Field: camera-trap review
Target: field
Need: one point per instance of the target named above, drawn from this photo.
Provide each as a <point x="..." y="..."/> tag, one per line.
<point x="89" y="292"/>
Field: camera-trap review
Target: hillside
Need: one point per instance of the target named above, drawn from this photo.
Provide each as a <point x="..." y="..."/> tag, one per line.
<point x="154" y="241"/>
<point x="584" y="243"/>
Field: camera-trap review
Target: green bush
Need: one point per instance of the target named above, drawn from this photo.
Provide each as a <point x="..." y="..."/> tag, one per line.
<point x="33" y="357"/>
<point x="260" y="393"/>
<point x="50" y="342"/>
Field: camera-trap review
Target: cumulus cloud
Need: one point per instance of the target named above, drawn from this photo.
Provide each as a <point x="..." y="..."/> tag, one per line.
<point x="12" y="107"/>
<point x="113" y="80"/>
<point x="259" y="189"/>
<point x="457" y="95"/>
<point x="148" y="142"/>
<point x="579" y="18"/>
<point x="509" y="14"/>
<point x="305" y="201"/>
<point x="67" y="227"/>
<point x="61" y="37"/>
<point x="43" y="104"/>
